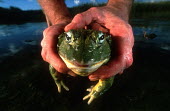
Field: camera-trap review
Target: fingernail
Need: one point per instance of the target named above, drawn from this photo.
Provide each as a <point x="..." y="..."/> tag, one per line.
<point x="93" y="78"/>
<point x="71" y="73"/>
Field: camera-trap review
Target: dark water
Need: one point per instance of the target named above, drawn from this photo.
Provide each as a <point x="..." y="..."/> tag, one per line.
<point x="13" y="38"/>
<point x="26" y="85"/>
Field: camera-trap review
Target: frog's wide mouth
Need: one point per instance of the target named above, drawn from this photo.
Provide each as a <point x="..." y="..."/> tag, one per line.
<point x="83" y="69"/>
<point x="80" y="65"/>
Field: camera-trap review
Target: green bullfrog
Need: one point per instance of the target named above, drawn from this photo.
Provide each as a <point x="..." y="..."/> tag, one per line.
<point x="83" y="52"/>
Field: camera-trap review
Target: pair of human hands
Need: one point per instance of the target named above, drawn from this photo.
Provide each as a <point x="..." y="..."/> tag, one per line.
<point x="97" y="18"/>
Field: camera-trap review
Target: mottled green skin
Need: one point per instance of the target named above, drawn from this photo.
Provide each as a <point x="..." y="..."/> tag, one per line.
<point x="84" y="46"/>
<point x="84" y="51"/>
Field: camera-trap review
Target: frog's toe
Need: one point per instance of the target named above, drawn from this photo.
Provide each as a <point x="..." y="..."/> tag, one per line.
<point x="98" y="89"/>
<point x="61" y="84"/>
<point x="64" y="86"/>
<point x="90" y="89"/>
<point x="57" y="79"/>
<point x="91" y="96"/>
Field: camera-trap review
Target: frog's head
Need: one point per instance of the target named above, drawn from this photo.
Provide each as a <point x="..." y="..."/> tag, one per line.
<point x="84" y="51"/>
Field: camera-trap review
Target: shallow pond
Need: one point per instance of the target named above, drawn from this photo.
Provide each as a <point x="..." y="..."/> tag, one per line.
<point x="26" y="85"/>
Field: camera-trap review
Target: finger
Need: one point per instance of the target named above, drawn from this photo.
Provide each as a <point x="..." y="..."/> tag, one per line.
<point x="48" y="42"/>
<point x="115" y="66"/>
<point x="121" y="59"/>
<point x="121" y="29"/>
<point x="49" y="48"/>
<point x="50" y="37"/>
<point x="80" y="21"/>
<point x="109" y="70"/>
<point x="71" y="73"/>
<point x="55" y="60"/>
<point x="97" y="26"/>
<point x="43" y="55"/>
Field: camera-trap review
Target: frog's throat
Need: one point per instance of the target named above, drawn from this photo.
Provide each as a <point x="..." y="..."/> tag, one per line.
<point x="82" y="70"/>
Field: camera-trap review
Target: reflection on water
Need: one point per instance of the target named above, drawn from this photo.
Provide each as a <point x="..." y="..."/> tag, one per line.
<point x="14" y="37"/>
<point x="160" y="28"/>
<point x="26" y="85"/>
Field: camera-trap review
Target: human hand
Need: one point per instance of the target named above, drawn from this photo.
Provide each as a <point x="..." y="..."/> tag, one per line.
<point x="49" y="47"/>
<point x="108" y="19"/>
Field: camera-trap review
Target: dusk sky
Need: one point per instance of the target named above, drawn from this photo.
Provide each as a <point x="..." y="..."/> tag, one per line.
<point x="33" y="5"/>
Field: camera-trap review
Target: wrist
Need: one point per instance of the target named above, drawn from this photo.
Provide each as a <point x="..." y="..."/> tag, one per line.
<point x="58" y="17"/>
<point x="121" y="8"/>
<point x="55" y="10"/>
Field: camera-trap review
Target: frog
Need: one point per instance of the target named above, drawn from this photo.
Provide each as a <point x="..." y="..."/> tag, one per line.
<point x="84" y="51"/>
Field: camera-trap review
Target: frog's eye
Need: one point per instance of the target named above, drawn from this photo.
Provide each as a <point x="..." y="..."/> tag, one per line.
<point x="68" y="37"/>
<point x="101" y="38"/>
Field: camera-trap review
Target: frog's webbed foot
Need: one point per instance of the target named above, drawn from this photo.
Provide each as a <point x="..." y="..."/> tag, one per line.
<point x="61" y="84"/>
<point x="57" y="79"/>
<point x="98" y="89"/>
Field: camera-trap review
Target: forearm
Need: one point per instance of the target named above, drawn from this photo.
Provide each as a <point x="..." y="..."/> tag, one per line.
<point x="122" y="7"/>
<point x="55" y="10"/>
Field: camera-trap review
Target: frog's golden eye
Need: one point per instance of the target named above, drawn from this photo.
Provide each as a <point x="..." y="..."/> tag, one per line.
<point x="101" y="38"/>
<point x="68" y="37"/>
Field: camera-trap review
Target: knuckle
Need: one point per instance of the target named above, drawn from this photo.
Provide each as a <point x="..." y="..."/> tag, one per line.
<point x="93" y="9"/>
<point x="49" y="32"/>
<point x="129" y="61"/>
<point x="129" y="27"/>
<point x="42" y="43"/>
<point x="43" y="55"/>
<point x="60" y="68"/>
<point x="79" y="16"/>
<point x="45" y="31"/>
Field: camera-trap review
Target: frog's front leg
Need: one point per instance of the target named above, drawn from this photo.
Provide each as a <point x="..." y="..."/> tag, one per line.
<point x="57" y="79"/>
<point x="101" y="87"/>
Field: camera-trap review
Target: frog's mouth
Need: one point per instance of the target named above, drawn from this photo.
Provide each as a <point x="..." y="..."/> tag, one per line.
<point x="83" y="70"/>
<point x="80" y="65"/>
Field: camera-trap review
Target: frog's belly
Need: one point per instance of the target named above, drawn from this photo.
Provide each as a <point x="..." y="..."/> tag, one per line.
<point x="83" y="71"/>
